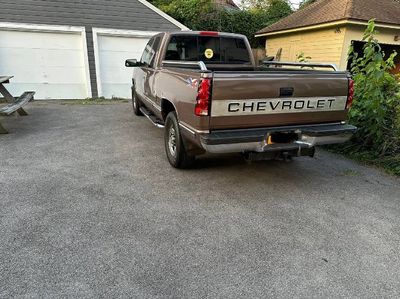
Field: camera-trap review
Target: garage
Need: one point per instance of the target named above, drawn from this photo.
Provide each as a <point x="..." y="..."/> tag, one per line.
<point x="112" y="48"/>
<point x="76" y="49"/>
<point x="52" y="61"/>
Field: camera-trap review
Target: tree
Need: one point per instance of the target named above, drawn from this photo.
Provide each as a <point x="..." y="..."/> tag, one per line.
<point x="206" y="15"/>
<point x="193" y="13"/>
<point x="278" y="9"/>
<point x="266" y="4"/>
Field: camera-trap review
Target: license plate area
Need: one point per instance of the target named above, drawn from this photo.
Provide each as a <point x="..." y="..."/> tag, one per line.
<point x="282" y="137"/>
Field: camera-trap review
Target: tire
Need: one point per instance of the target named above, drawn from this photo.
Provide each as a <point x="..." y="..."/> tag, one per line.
<point x="174" y="145"/>
<point x="136" y="104"/>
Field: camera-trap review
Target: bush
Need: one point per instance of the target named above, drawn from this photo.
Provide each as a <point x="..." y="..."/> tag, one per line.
<point x="376" y="107"/>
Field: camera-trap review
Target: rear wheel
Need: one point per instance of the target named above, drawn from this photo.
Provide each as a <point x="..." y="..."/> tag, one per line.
<point x="136" y="104"/>
<point x="174" y="145"/>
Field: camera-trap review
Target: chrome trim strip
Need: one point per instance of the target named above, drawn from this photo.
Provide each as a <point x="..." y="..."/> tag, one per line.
<point x="146" y="99"/>
<point x="191" y="129"/>
<point x="149" y="118"/>
<point x="200" y="64"/>
<point x="301" y="64"/>
<point x="267" y="106"/>
<point x="281" y="128"/>
<point x="262" y="146"/>
<point x="187" y="129"/>
<point x="157" y="107"/>
<point x="151" y="102"/>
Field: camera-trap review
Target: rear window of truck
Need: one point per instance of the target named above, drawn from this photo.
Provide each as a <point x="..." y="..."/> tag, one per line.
<point x="210" y="49"/>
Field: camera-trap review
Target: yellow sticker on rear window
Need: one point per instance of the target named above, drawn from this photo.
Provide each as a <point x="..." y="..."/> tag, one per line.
<point x="209" y="53"/>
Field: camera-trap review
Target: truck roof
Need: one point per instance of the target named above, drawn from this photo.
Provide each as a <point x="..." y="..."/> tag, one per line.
<point x="209" y="33"/>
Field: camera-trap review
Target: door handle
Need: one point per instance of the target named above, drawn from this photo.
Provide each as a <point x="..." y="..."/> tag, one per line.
<point x="286" y="92"/>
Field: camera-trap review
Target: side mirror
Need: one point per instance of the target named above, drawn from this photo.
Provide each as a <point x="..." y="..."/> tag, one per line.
<point x="132" y="63"/>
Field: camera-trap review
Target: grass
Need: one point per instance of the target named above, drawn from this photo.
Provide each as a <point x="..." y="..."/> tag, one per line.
<point x="390" y="164"/>
<point x="88" y="101"/>
<point x="94" y="101"/>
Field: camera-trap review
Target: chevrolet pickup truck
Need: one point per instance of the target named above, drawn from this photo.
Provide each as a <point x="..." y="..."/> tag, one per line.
<point x="206" y="91"/>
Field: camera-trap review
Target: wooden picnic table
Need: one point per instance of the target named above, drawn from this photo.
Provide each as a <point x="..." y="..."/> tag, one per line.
<point x="14" y="104"/>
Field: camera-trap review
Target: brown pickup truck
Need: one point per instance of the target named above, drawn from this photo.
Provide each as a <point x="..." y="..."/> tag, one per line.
<point x="206" y="91"/>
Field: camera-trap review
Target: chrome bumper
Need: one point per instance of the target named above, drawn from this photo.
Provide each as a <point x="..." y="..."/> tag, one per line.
<point x="255" y="140"/>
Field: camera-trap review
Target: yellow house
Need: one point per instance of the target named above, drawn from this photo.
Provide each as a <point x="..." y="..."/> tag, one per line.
<point x="326" y="29"/>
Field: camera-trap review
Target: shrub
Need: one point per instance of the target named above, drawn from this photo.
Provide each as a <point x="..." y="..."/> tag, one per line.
<point x="377" y="97"/>
<point x="376" y="107"/>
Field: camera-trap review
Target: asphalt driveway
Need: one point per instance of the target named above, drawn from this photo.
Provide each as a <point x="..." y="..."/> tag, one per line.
<point x="89" y="207"/>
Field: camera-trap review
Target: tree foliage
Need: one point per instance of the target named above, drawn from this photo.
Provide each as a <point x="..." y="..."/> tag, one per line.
<point x="266" y="4"/>
<point x="205" y="15"/>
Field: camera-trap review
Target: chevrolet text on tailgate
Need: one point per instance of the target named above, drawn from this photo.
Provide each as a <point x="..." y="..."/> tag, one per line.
<point x="205" y="90"/>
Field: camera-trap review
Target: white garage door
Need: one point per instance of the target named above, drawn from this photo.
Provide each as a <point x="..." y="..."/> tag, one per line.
<point x="52" y="64"/>
<point x="115" y="78"/>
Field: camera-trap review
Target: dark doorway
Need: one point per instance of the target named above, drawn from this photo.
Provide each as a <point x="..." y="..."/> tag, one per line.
<point x="388" y="49"/>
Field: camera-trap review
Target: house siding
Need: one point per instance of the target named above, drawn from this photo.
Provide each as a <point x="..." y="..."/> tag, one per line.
<point x="116" y="14"/>
<point x="324" y="45"/>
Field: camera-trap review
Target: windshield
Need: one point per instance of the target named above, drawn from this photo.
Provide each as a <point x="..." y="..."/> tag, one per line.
<point x="210" y="49"/>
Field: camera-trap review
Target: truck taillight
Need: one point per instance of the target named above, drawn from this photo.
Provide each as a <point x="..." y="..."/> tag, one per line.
<point x="203" y="98"/>
<point x="350" y="94"/>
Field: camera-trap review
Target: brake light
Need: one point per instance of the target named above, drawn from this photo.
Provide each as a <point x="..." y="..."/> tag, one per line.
<point x="209" y="33"/>
<point x="203" y="98"/>
<point x="350" y="94"/>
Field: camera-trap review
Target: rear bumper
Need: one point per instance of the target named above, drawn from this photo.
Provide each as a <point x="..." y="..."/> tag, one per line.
<point x="256" y="140"/>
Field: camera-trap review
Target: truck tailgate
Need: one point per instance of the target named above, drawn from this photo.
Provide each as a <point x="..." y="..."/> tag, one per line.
<point x="277" y="98"/>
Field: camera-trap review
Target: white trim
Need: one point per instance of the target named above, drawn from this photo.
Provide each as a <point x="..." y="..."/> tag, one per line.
<point x="60" y="29"/>
<point x="164" y="15"/>
<point x="97" y="62"/>
<point x="41" y="28"/>
<point x="377" y="24"/>
<point x="112" y="32"/>
<point x="326" y="25"/>
<point x="121" y="32"/>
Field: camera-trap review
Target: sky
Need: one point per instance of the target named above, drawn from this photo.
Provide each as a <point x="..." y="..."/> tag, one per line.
<point x="295" y="3"/>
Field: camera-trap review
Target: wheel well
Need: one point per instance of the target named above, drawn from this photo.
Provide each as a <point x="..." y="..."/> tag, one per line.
<point x="166" y="107"/>
<point x="132" y="88"/>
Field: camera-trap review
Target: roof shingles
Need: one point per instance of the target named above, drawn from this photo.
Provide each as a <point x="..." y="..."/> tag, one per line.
<point x="326" y="11"/>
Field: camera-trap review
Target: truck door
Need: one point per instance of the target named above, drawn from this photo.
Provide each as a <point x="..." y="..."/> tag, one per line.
<point x="140" y="76"/>
<point x="150" y="72"/>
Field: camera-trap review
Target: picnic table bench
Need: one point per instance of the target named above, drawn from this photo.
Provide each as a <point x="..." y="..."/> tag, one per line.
<point x="14" y="104"/>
